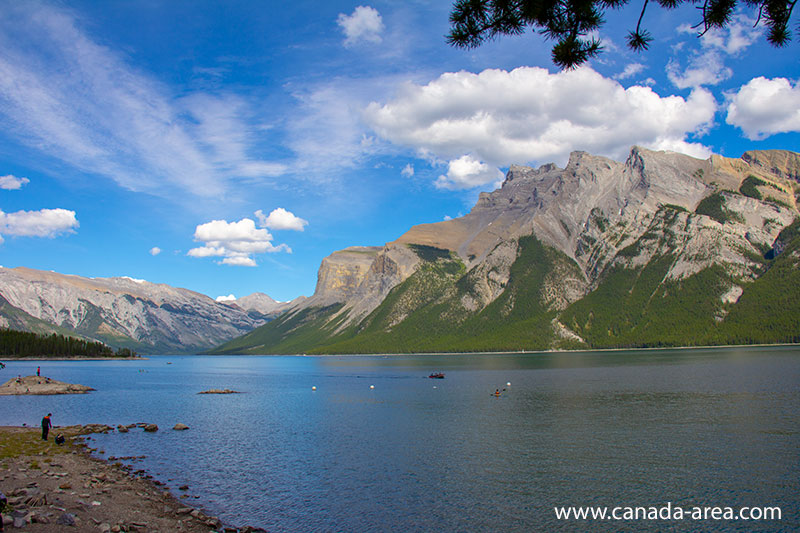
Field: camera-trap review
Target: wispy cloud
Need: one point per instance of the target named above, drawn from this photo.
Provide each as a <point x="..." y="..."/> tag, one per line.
<point x="82" y="103"/>
<point x="630" y="71"/>
<point x="707" y="66"/>
<point x="327" y="132"/>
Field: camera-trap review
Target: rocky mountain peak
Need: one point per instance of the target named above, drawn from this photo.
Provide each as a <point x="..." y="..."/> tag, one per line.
<point x="564" y="208"/>
<point x="600" y="253"/>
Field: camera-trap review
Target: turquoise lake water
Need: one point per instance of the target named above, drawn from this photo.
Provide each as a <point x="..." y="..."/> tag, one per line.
<point x="705" y="427"/>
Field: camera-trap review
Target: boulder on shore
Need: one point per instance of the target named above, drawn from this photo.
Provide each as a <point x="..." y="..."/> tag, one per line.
<point x="40" y="385"/>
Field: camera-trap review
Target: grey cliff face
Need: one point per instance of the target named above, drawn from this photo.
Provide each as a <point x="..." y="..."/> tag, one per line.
<point x="590" y="210"/>
<point x="123" y="311"/>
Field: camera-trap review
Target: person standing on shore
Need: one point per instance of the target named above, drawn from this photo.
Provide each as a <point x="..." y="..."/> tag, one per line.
<point x="3" y="503"/>
<point x="46" y="425"/>
<point x="38" y="371"/>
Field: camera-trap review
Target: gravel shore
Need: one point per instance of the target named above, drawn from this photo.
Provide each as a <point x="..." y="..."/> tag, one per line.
<point x="53" y="488"/>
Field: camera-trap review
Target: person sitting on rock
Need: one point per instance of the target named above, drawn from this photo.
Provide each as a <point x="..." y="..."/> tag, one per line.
<point x="60" y="439"/>
<point x="46" y="425"/>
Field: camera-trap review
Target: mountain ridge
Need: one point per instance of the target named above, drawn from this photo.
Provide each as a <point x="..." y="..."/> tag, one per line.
<point x="120" y="311"/>
<point x="656" y="212"/>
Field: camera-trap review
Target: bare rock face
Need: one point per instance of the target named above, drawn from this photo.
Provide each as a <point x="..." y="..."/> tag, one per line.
<point x="781" y="163"/>
<point x="590" y="210"/>
<point x="152" y="317"/>
<point x="341" y="273"/>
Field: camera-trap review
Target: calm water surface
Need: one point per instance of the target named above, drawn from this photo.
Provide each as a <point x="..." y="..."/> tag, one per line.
<point x="716" y="427"/>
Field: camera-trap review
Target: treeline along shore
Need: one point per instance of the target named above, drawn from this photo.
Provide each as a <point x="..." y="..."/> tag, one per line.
<point x="22" y="344"/>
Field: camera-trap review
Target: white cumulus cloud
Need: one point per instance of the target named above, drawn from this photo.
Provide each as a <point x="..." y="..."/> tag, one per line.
<point x="228" y="298"/>
<point x="764" y="107"/>
<point x="12" y="183"/>
<point x="41" y="223"/>
<point x="155" y="250"/>
<point x="234" y="242"/>
<point x="280" y="219"/>
<point x="467" y="172"/>
<point x="528" y="115"/>
<point x="364" y="24"/>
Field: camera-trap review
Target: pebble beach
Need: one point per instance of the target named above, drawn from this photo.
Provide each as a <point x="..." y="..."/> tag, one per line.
<point x="56" y="488"/>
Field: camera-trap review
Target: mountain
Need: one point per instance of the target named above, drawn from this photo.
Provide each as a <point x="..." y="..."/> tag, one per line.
<point x="659" y="250"/>
<point x="122" y="312"/>
<point x="260" y="304"/>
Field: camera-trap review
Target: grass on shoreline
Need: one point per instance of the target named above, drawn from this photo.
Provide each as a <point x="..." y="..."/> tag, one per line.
<point x="18" y="441"/>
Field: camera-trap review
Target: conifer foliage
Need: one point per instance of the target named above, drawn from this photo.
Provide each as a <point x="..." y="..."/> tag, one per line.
<point x="23" y="344"/>
<point x="570" y="22"/>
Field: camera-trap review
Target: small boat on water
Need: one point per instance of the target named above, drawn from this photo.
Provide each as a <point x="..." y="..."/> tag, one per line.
<point x="437" y="375"/>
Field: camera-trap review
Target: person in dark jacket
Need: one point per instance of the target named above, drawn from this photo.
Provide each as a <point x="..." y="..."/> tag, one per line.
<point x="3" y="503"/>
<point x="46" y="425"/>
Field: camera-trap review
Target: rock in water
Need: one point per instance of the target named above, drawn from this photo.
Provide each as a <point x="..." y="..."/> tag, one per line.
<point x="180" y="427"/>
<point x="40" y="386"/>
<point x="151" y="428"/>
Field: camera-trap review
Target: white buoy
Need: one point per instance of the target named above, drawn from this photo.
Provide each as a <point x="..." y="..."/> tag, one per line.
<point x="508" y="384"/>
<point x="372" y="386"/>
<point x="313" y="388"/>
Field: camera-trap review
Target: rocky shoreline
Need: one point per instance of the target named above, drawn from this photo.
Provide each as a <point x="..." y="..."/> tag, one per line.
<point x="53" y="488"/>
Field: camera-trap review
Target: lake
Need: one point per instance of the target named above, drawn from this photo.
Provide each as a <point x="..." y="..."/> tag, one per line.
<point x="380" y="447"/>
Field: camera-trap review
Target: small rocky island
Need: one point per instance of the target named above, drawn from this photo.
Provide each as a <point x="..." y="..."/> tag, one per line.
<point x="219" y="391"/>
<point x="40" y="385"/>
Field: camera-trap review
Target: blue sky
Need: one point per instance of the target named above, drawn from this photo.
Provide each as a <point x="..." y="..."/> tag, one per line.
<point x="227" y="147"/>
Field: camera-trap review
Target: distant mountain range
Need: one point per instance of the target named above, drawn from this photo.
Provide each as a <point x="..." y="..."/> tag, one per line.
<point x="659" y="250"/>
<point x="125" y="312"/>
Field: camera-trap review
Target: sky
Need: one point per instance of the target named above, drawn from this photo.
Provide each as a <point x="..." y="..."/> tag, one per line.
<point x="227" y="147"/>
